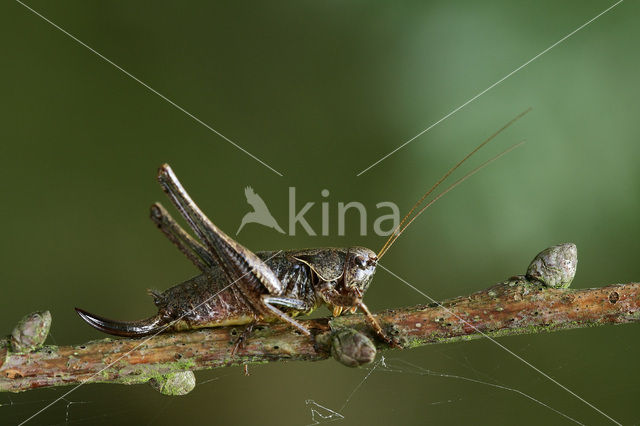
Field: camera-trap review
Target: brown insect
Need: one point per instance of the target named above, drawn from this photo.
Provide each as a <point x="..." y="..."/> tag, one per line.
<point x="237" y="286"/>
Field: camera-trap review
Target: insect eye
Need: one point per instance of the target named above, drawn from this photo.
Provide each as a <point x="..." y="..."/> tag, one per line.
<point x="361" y="262"/>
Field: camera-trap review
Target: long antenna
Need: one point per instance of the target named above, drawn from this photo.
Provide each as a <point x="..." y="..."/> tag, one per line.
<point x="403" y="225"/>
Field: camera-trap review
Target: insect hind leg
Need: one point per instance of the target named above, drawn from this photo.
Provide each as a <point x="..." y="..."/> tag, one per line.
<point x="185" y="205"/>
<point x="240" y="265"/>
<point x="188" y="245"/>
<point x="241" y="340"/>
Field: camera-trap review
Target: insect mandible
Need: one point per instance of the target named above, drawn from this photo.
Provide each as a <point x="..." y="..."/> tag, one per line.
<point x="239" y="287"/>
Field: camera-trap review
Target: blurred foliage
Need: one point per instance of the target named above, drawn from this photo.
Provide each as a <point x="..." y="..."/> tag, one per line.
<point x="319" y="91"/>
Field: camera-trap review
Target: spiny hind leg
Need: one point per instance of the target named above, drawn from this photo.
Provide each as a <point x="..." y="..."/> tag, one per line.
<point x="188" y="245"/>
<point x="269" y="302"/>
<point x="183" y="202"/>
<point x="241" y="266"/>
<point x="242" y="339"/>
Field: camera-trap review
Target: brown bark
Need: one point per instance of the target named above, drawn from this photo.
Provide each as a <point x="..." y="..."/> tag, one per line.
<point x="513" y="307"/>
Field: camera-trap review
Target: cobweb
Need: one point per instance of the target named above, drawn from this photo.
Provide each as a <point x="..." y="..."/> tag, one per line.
<point x="402" y="366"/>
<point x="321" y="414"/>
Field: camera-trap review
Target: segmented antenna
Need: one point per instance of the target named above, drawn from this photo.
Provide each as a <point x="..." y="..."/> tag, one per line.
<point x="408" y="218"/>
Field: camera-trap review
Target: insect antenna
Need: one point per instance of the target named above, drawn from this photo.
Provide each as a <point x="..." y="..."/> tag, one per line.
<point x="409" y="218"/>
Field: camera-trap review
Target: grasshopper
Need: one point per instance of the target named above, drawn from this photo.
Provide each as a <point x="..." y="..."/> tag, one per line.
<point x="239" y="287"/>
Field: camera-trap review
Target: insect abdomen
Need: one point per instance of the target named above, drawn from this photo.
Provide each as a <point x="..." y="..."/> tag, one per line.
<point x="209" y="300"/>
<point x="204" y="301"/>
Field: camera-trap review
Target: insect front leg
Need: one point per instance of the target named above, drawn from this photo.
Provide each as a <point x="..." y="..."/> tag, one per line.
<point x="333" y="297"/>
<point x="376" y="326"/>
<point x="297" y="304"/>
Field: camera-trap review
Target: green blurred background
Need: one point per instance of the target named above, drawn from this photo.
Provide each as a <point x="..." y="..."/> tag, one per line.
<point x="319" y="91"/>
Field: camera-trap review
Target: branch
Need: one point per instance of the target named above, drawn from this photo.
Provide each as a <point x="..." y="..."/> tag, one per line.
<point x="522" y="305"/>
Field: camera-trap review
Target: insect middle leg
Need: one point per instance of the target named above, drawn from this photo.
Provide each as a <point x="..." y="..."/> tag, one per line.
<point x="297" y="304"/>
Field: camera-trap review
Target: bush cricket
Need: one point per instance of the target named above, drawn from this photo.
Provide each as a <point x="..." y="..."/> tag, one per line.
<point x="239" y="287"/>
